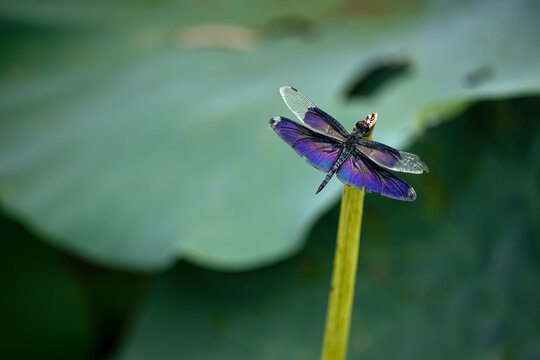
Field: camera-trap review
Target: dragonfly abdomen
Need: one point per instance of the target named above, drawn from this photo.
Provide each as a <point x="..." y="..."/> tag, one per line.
<point x="341" y="159"/>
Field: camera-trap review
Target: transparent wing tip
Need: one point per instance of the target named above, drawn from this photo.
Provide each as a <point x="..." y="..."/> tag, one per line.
<point x="412" y="163"/>
<point x="411" y="194"/>
<point x="274" y="121"/>
<point x="284" y="89"/>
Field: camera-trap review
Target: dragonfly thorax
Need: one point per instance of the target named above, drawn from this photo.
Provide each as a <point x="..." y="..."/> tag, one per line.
<point x="353" y="138"/>
<point x="362" y="128"/>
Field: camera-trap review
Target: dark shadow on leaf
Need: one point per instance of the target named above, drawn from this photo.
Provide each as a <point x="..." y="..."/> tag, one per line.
<point x="373" y="78"/>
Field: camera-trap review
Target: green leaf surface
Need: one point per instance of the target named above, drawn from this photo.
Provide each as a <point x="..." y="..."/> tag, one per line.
<point x="453" y="275"/>
<point x="132" y="137"/>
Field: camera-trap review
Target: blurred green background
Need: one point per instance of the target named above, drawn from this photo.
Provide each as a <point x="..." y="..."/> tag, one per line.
<point x="147" y="211"/>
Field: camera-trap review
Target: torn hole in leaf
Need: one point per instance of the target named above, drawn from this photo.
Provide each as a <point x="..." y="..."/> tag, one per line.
<point x="376" y="76"/>
<point x="290" y="26"/>
<point x="479" y="76"/>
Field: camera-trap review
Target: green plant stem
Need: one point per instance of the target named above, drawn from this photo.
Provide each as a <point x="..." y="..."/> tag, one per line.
<point x="338" y="316"/>
<point x="340" y="301"/>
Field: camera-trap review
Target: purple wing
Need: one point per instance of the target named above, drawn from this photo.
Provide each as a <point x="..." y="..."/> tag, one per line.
<point x="319" y="150"/>
<point x="391" y="158"/>
<point x="311" y="115"/>
<point x="359" y="171"/>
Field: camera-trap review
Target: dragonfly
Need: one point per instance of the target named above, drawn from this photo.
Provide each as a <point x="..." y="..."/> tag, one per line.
<point x="357" y="162"/>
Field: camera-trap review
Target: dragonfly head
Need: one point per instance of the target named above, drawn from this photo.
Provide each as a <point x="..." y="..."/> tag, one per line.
<point x="365" y="127"/>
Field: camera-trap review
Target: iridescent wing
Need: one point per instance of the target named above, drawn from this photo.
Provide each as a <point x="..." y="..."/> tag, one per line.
<point x="320" y="151"/>
<point x="391" y="158"/>
<point x="311" y="115"/>
<point x="359" y="171"/>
